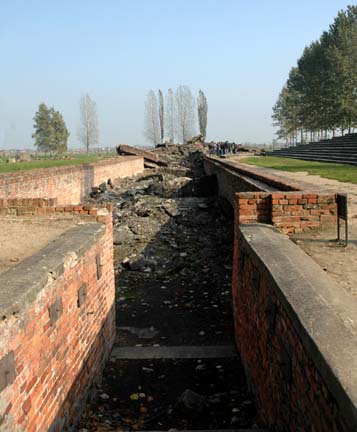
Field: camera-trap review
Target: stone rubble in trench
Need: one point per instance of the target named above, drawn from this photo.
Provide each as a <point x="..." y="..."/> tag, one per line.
<point x="172" y="252"/>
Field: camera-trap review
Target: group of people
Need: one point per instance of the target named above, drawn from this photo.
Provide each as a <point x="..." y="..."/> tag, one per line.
<point x="222" y="148"/>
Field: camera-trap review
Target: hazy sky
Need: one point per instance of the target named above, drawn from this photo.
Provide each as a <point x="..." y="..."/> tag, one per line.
<point x="238" y="52"/>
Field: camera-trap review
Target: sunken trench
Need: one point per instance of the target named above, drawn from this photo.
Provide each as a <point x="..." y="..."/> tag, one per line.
<point x="173" y="365"/>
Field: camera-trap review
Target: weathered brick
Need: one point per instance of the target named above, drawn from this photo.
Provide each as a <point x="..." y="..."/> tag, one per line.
<point x="49" y="358"/>
<point x="43" y="185"/>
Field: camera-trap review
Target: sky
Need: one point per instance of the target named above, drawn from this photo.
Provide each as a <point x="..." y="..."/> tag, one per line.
<point x="238" y="52"/>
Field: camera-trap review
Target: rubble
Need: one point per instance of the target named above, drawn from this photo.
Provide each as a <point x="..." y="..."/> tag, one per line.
<point x="151" y="158"/>
<point x="191" y="402"/>
<point x="172" y="260"/>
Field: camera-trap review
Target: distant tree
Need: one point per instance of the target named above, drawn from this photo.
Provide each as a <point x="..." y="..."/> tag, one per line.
<point x="342" y="53"/>
<point x="51" y="134"/>
<point x="152" y="122"/>
<point x="202" y="109"/>
<point x="170" y="116"/>
<point x="161" y="115"/>
<point x="185" y="113"/>
<point x="44" y="132"/>
<point x="88" y="132"/>
<point x="320" y="94"/>
<point x="61" y="133"/>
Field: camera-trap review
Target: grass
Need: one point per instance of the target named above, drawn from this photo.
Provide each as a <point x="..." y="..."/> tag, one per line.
<point x="75" y="159"/>
<point x="334" y="171"/>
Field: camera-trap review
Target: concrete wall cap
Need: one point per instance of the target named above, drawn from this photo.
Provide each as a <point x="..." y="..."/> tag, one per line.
<point x="323" y="314"/>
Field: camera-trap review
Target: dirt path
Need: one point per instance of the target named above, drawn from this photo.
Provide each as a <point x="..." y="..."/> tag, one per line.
<point x="173" y="266"/>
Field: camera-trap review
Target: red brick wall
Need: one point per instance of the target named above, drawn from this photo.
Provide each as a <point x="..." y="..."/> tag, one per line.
<point x="291" y="212"/>
<point x="265" y="178"/>
<point x="28" y="207"/>
<point x="228" y="181"/>
<point x="69" y="184"/>
<point x="295" y="387"/>
<point x="55" y="361"/>
<point x="253" y="207"/>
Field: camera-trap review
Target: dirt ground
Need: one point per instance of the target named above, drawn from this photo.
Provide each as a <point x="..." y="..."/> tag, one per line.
<point x="339" y="262"/>
<point x="173" y="253"/>
<point x="22" y="238"/>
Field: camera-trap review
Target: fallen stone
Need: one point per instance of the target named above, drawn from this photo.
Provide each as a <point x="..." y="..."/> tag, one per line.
<point x="191" y="402"/>
<point x="122" y="235"/>
<point x="147" y="370"/>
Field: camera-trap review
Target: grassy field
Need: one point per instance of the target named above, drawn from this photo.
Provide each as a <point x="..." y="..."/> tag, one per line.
<point x="343" y="173"/>
<point x="75" y="159"/>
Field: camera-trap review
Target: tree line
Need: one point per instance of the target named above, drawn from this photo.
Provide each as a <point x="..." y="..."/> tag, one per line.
<point x="320" y="94"/>
<point x="51" y="133"/>
<point x="174" y="117"/>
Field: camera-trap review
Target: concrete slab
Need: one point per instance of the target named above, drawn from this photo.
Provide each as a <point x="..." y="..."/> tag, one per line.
<point x="217" y="430"/>
<point x="173" y="352"/>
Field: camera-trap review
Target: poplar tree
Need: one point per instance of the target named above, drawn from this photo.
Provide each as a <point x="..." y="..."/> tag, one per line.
<point x="342" y="54"/>
<point x="161" y="115"/>
<point x="170" y="116"/>
<point x="185" y="113"/>
<point x="202" y="109"/>
<point x="152" y="124"/>
<point x="320" y="94"/>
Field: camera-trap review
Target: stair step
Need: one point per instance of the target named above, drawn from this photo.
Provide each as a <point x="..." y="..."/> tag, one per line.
<point x="173" y="352"/>
<point x="213" y="430"/>
<point x="319" y="159"/>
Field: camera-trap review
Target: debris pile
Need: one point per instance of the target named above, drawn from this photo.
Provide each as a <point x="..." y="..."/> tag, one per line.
<point x="173" y="251"/>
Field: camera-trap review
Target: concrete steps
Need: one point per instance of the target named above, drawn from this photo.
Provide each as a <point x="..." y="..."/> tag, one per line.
<point x="174" y="352"/>
<point x="202" y="354"/>
<point x="318" y="159"/>
<point x="214" y="430"/>
<point x="341" y="150"/>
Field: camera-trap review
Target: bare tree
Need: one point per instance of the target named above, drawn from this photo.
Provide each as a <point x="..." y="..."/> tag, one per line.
<point x="88" y="130"/>
<point x="161" y="115"/>
<point x="152" y="126"/>
<point x="185" y="113"/>
<point x="202" y="109"/>
<point x="170" y="116"/>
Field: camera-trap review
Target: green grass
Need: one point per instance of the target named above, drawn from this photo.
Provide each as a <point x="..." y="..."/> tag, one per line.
<point x="343" y="173"/>
<point x="75" y="159"/>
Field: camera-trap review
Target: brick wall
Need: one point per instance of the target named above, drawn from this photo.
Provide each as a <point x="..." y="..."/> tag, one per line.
<point x="291" y="212"/>
<point x="263" y="197"/>
<point x="58" y="324"/>
<point x="228" y="181"/>
<point x="264" y="180"/>
<point x="71" y="184"/>
<point x="295" y="333"/>
<point x="253" y="207"/>
<point x="28" y="207"/>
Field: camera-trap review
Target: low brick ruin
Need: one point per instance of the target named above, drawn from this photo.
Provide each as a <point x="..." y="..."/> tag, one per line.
<point x="57" y="306"/>
<point x="258" y="197"/>
<point x="68" y="184"/>
<point x="294" y="327"/>
<point x="291" y="212"/>
<point x="295" y="333"/>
